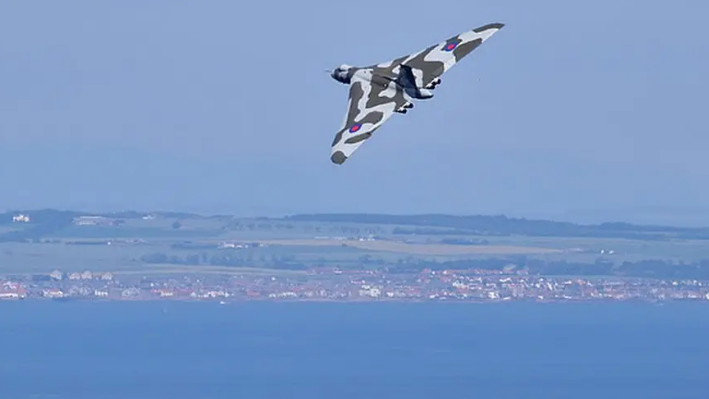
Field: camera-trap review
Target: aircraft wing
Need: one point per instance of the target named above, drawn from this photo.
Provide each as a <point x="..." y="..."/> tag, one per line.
<point x="432" y="62"/>
<point x="370" y="105"/>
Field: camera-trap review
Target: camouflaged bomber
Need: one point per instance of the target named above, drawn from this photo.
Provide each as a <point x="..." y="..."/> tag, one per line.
<point x="378" y="91"/>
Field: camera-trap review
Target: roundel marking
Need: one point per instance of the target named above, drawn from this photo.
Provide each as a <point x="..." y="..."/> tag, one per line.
<point x="450" y="46"/>
<point x="355" y="128"/>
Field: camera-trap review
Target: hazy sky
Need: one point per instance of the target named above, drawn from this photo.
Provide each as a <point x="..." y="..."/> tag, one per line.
<point x="225" y="106"/>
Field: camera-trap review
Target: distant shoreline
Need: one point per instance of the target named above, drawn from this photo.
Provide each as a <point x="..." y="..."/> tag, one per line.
<point x="361" y="301"/>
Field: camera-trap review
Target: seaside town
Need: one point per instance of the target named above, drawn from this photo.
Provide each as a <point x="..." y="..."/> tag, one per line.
<point x="348" y="285"/>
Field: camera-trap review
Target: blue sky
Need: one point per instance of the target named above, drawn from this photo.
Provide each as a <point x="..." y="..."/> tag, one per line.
<point x="224" y="106"/>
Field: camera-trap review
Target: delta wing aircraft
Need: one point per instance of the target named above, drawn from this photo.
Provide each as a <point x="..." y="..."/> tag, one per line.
<point x="378" y="91"/>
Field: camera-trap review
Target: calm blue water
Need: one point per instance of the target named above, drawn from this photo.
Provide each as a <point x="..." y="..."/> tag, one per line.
<point x="327" y="350"/>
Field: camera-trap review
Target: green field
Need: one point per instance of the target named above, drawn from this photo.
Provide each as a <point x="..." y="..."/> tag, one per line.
<point x="137" y="245"/>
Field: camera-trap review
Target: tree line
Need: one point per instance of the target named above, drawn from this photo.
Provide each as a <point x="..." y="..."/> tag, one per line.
<point x="500" y="225"/>
<point x="650" y="268"/>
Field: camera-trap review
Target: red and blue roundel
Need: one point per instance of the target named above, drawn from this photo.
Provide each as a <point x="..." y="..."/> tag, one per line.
<point x="450" y="46"/>
<point x="355" y="128"/>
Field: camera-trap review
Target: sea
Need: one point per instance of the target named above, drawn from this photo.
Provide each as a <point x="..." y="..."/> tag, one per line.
<point x="299" y="350"/>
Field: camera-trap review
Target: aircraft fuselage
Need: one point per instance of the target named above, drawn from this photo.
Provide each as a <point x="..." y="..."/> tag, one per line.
<point x="404" y="79"/>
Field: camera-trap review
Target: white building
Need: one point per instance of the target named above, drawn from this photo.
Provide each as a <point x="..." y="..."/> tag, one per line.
<point x="21" y="218"/>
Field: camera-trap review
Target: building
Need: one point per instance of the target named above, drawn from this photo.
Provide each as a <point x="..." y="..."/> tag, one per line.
<point x="56" y="275"/>
<point x="21" y="218"/>
<point x="53" y="293"/>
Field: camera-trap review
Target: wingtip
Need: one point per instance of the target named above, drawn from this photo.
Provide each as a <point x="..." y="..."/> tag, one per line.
<point x="494" y="25"/>
<point x="338" y="157"/>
